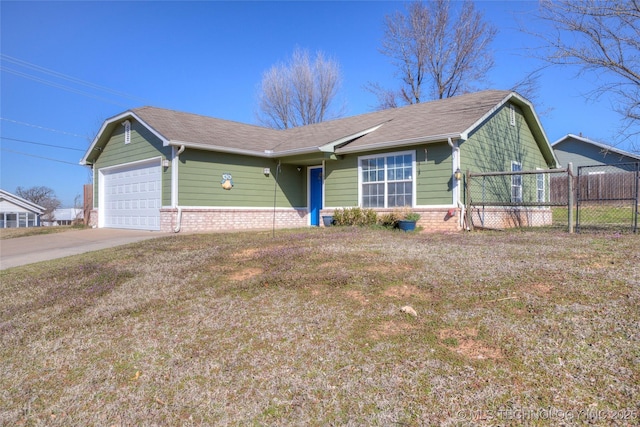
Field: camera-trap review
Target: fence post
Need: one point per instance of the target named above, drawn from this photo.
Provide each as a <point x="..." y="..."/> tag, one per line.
<point x="635" y="217"/>
<point x="467" y="201"/>
<point x="570" y="196"/>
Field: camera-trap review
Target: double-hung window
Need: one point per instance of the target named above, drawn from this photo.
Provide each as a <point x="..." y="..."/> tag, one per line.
<point x="516" y="183"/>
<point x="387" y="181"/>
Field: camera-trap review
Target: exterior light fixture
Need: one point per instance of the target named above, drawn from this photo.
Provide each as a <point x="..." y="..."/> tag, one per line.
<point x="457" y="174"/>
<point x="266" y="171"/>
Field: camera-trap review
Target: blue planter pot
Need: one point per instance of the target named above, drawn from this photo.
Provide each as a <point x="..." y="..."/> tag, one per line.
<point x="327" y="220"/>
<point x="406" y="225"/>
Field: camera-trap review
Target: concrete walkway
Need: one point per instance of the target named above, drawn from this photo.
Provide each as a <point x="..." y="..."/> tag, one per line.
<point x="27" y="250"/>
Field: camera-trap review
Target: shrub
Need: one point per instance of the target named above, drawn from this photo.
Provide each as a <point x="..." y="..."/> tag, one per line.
<point x="412" y="216"/>
<point x="389" y="220"/>
<point x="355" y="216"/>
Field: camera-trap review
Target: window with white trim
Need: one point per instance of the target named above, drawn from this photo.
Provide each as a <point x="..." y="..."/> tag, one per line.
<point x="516" y="183"/>
<point x="387" y="181"/>
<point x="127" y="131"/>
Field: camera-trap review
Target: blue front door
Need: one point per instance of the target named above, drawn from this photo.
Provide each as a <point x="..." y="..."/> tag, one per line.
<point x="315" y="195"/>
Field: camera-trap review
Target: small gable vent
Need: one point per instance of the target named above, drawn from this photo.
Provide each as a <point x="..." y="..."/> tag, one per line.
<point x="127" y="131"/>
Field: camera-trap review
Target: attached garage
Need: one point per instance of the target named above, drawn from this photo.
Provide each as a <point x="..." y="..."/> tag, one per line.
<point x="130" y="196"/>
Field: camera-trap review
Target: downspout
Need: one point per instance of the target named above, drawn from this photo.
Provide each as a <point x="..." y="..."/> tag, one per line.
<point x="176" y="229"/>
<point x="455" y="166"/>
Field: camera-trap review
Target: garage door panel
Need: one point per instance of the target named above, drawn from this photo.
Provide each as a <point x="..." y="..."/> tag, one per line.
<point x="132" y="197"/>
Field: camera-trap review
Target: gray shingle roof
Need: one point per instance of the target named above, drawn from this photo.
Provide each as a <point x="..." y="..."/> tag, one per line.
<point x="426" y="120"/>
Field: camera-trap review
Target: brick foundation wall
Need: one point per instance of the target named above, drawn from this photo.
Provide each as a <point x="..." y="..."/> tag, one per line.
<point x="195" y="219"/>
<point x="431" y="219"/>
<point x="92" y="221"/>
<point x="509" y="218"/>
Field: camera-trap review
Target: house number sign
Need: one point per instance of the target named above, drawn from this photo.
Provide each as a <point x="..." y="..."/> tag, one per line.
<point x="227" y="181"/>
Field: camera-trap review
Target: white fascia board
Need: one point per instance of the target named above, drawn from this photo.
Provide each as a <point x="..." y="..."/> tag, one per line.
<point x="296" y="151"/>
<point x="269" y="154"/>
<point x="401" y="143"/>
<point x="331" y="146"/>
<point x="209" y="147"/>
<point x="115" y="119"/>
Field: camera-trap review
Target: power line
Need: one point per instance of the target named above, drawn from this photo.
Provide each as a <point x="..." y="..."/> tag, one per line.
<point x="40" y="157"/>
<point x="60" y="86"/>
<point x="40" y="143"/>
<point x="67" y="77"/>
<point x="41" y="127"/>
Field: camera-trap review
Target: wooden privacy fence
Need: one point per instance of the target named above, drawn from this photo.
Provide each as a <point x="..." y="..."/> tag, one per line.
<point x="88" y="202"/>
<point x="602" y="187"/>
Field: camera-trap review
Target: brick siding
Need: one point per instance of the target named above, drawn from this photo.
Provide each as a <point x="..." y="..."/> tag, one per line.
<point x="195" y="219"/>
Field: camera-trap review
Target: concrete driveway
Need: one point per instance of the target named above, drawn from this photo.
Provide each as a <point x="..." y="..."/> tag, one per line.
<point x="27" y="250"/>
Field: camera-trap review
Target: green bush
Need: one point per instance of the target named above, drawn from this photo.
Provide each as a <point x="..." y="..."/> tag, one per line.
<point x="355" y="216"/>
<point x="389" y="220"/>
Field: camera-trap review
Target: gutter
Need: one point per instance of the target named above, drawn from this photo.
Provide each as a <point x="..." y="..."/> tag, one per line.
<point x="401" y="142"/>
<point x="178" y="226"/>
<point x="455" y="153"/>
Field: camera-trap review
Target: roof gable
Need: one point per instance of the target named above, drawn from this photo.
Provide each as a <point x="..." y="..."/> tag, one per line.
<point x="19" y="201"/>
<point x="565" y="143"/>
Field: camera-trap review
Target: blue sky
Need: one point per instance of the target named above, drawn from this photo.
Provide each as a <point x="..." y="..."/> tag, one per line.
<point x="68" y="66"/>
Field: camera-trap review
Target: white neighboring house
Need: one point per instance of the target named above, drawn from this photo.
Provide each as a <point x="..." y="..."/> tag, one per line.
<point x="67" y="216"/>
<point x="18" y="212"/>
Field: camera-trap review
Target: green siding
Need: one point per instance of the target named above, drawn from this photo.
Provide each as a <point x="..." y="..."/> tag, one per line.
<point x="433" y="185"/>
<point x="496" y="143"/>
<point x="200" y="176"/>
<point x="144" y="145"/>
<point x="494" y="146"/>
<point x="341" y="182"/>
<point x="434" y="175"/>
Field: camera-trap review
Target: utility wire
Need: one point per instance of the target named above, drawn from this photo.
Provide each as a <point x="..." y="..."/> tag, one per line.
<point x="60" y="86"/>
<point x="40" y="143"/>
<point x="40" y="157"/>
<point x="41" y="127"/>
<point x="22" y="63"/>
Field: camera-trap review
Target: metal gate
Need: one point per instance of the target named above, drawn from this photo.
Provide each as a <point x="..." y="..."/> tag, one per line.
<point x="532" y="198"/>
<point x="607" y="197"/>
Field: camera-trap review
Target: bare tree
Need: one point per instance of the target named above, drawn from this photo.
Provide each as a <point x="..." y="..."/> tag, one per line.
<point x="299" y="92"/>
<point x="437" y="55"/>
<point x="600" y="37"/>
<point x="43" y="196"/>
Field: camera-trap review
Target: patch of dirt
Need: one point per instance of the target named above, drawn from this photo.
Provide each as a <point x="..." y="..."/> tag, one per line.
<point x="468" y="344"/>
<point x="358" y="296"/>
<point x="245" y="254"/>
<point x="541" y="288"/>
<point x="245" y="274"/>
<point x="406" y="291"/>
<point x="390" y="328"/>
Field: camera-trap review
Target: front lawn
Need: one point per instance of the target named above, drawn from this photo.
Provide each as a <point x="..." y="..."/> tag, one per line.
<point x="308" y="328"/>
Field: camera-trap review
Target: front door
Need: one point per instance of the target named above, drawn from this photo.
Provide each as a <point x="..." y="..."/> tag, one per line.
<point x="315" y="194"/>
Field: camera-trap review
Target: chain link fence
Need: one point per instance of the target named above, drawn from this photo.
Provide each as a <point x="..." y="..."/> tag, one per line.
<point x="535" y="198"/>
<point x="607" y="197"/>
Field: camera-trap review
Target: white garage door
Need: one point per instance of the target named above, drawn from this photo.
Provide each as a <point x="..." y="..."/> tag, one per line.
<point x="132" y="197"/>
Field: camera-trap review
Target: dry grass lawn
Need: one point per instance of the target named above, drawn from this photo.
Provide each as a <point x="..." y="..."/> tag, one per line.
<point x="305" y="328"/>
